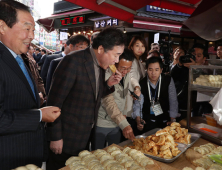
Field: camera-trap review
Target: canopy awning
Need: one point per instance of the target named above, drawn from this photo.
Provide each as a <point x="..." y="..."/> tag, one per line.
<point x="125" y="10"/>
<point x="48" y="23"/>
<point x="205" y="22"/>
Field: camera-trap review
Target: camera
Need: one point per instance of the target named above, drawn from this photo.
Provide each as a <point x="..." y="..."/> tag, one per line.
<point x="186" y="58"/>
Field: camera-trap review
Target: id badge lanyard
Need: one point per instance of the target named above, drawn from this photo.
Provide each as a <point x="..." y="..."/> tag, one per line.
<point x="155" y="108"/>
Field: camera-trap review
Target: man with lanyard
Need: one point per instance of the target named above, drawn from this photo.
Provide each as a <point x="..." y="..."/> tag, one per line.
<point x="158" y="99"/>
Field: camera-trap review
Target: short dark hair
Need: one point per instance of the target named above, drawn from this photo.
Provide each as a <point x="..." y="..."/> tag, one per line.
<point x="94" y="35"/>
<point x="154" y="52"/>
<point x="37" y="49"/>
<point x="201" y="46"/>
<point x="43" y="50"/>
<point x="68" y="42"/>
<point x="127" y="55"/>
<point x="154" y="44"/>
<point x="109" y="38"/>
<point x="143" y="41"/>
<point x="75" y="39"/>
<point x="220" y="44"/>
<point x="154" y="60"/>
<point x="9" y="9"/>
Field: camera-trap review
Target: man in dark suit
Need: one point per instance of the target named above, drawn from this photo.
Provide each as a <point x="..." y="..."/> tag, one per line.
<point x="21" y="130"/>
<point x="45" y="67"/>
<point x="77" y="88"/>
<point x="37" y="55"/>
<point x="77" y="42"/>
<point x="43" y="57"/>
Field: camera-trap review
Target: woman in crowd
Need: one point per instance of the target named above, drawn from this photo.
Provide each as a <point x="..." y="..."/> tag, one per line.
<point x="177" y="53"/>
<point x="139" y="48"/>
<point x="158" y="98"/>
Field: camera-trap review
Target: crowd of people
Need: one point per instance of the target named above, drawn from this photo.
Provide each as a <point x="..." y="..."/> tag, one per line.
<point x="54" y="106"/>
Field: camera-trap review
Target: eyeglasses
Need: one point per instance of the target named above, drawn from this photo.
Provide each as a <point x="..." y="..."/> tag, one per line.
<point x="125" y="69"/>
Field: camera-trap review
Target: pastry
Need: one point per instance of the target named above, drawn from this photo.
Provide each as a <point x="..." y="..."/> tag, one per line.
<point x="112" y="68"/>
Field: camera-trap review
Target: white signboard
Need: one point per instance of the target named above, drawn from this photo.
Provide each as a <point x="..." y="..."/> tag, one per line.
<point x="63" y="35"/>
<point x="156" y="37"/>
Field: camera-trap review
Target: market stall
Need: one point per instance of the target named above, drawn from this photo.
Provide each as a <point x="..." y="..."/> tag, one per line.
<point x="159" y="149"/>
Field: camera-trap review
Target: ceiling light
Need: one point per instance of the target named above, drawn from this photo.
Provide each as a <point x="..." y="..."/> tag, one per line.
<point x="124" y="31"/>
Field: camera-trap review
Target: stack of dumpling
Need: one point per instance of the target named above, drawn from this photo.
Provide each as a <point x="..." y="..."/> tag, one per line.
<point x="209" y="80"/>
<point x="28" y="167"/>
<point x="204" y="149"/>
<point x="112" y="159"/>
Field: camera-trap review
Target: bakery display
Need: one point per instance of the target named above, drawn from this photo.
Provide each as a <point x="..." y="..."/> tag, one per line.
<point x="111" y="159"/>
<point x="112" y="68"/>
<point x="209" y="80"/>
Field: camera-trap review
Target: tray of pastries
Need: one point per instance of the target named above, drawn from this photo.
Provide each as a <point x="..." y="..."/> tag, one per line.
<point x="111" y="158"/>
<point x="164" y="145"/>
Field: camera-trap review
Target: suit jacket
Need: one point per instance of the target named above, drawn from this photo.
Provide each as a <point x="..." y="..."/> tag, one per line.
<point x="21" y="133"/>
<point x="37" y="57"/>
<point x="42" y="60"/>
<point x="73" y="90"/>
<point x="46" y="64"/>
<point x="54" y="63"/>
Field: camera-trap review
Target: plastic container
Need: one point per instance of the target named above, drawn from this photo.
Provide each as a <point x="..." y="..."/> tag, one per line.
<point x="210" y="120"/>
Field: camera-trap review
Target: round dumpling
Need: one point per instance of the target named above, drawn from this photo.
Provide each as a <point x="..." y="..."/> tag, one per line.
<point x="88" y="156"/>
<point x="93" y="163"/>
<point x="117" y="167"/>
<point x="99" y="151"/>
<point x="108" y="167"/>
<point x="99" y="155"/>
<point x="31" y="167"/>
<point x="98" y="167"/>
<point x="137" y="154"/>
<point x="84" y="153"/>
<point x="124" y="159"/>
<point x="74" y="163"/>
<point x="146" y="161"/>
<point x="132" y="152"/>
<point x="109" y="161"/>
<point x="73" y="158"/>
<point x="118" y="156"/>
<point x="114" y="153"/>
<point x="126" y="150"/>
<point x="105" y="157"/>
<point x="136" y="167"/>
<point x="129" y="163"/>
<point x="89" y="160"/>
<point x="139" y="158"/>
<point x="112" y="148"/>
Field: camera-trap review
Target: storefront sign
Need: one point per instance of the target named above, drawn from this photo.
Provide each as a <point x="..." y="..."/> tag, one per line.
<point x="105" y="23"/>
<point x="72" y="20"/>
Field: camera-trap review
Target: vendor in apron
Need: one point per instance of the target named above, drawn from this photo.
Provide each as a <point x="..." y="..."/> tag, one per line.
<point x="158" y="100"/>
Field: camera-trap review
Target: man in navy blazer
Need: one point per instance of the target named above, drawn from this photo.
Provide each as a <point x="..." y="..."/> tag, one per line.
<point x="22" y="133"/>
<point x="48" y="60"/>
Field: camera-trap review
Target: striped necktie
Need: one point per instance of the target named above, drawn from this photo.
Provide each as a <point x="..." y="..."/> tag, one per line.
<point x="24" y="70"/>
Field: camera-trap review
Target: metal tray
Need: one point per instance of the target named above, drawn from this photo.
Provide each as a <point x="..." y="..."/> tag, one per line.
<point x="203" y="125"/>
<point x="194" y="138"/>
<point x="181" y="147"/>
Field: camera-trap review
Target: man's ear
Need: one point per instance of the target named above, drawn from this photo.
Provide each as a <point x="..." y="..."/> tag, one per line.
<point x="3" y="27"/>
<point x="100" y="49"/>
